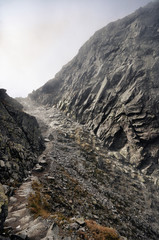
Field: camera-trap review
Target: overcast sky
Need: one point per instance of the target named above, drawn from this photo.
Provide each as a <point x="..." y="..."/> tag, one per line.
<point x="38" y="37"/>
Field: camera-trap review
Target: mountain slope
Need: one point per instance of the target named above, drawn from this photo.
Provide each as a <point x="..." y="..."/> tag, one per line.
<point x="82" y="181"/>
<point x="112" y="85"/>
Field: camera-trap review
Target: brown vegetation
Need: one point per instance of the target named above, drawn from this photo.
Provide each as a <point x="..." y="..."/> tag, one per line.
<point x="38" y="202"/>
<point x="98" y="232"/>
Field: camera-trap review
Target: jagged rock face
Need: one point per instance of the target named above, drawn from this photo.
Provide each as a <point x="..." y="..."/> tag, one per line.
<point x="20" y="140"/>
<point x="112" y="85"/>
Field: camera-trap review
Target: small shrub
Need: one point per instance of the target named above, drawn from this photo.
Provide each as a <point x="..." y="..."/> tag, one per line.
<point x="99" y="232"/>
<point x="38" y="202"/>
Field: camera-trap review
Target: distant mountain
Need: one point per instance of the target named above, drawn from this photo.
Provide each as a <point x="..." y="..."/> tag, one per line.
<point x="112" y="85"/>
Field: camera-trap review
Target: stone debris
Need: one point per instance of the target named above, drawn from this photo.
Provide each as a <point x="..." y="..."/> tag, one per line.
<point x="83" y="181"/>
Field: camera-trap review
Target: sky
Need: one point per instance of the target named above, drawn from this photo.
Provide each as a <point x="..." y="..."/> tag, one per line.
<point x="38" y="37"/>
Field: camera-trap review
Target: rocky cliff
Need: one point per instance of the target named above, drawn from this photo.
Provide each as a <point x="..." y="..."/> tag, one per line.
<point x="112" y="86"/>
<point x="20" y="141"/>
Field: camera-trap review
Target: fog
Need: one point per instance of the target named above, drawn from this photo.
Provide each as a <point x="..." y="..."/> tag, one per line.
<point x="38" y="37"/>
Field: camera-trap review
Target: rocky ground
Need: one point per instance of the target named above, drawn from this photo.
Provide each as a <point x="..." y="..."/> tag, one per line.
<point x="77" y="180"/>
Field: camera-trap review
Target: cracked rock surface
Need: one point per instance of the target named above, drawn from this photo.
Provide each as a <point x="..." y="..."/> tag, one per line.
<point x="112" y="86"/>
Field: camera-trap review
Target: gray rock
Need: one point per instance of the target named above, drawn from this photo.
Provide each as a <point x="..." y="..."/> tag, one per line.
<point x="43" y="162"/>
<point x="53" y="233"/>
<point x="80" y="221"/>
<point x="8" y="165"/>
<point x="6" y="188"/>
<point x="112" y="85"/>
<point x="22" y="235"/>
<point x="37" y="228"/>
<point x="38" y="168"/>
<point x="47" y="140"/>
<point x="74" y="226"/>
<point x="2" y="164"/>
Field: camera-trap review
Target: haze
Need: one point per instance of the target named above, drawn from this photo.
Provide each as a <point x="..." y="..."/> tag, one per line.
<point x="37" y="37"/>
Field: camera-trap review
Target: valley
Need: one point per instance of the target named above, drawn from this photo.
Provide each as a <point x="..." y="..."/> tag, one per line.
<point x="79" y="157"/>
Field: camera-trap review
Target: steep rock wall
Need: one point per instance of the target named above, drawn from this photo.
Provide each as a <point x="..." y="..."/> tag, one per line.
<point x="112" y="85"/>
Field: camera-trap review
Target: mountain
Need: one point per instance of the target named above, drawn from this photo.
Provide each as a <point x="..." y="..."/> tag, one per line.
<point x="112" y="86"/>
<point x="98" y="175"/>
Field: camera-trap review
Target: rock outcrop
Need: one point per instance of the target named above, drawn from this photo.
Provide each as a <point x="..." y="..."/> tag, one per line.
<point x="112" y="86"/>
<point x="20" y="141"/>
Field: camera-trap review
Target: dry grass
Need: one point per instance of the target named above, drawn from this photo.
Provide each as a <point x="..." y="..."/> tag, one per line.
<point x="98" y="232"/>
<point x="38" y="202"/>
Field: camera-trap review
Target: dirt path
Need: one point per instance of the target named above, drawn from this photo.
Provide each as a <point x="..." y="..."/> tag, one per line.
<point x="19" y="217"/>
<point x="55" y="127"/>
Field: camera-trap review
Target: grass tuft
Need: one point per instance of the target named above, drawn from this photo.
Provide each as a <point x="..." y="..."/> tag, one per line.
<point x="38" y="202"/>
<point x="99" y="232"/>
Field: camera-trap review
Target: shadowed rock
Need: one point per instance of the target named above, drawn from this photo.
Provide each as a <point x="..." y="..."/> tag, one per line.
<point x="20" y="140"/>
